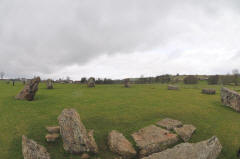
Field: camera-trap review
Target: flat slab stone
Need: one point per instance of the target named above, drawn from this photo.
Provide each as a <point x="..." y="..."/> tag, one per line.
<point x="185" y="132"/>
<point x="51" y="137"/>
<point x="208" y="149"/>
<point x="172" y="87"/>
<point x="120" y="145"/>
<point x="153" y="139"/>
<point x="169" y="123"/>
<point x="53" y="129"/>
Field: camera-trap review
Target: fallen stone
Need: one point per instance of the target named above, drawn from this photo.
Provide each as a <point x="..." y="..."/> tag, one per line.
<point x="230" y="98"/>
<point x="29" y="90"/>
<point x="51" y="137"/>
<point x="185" y="132"/>
<point x="85" y="156"/>
<point x="172" y="87"/>
<point x="32" y="150"/>
<point x="208" y="91"/>
<point x="153" y="139"/>
<point x="208" y="149"/>
<point x="169" y="124"/>
<point x="53" y="129"/>
<point x="73" y="132"/>
<point x="120" y="145"/>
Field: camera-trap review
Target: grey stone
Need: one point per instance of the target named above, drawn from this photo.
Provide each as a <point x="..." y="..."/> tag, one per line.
<point x="153" y="139"/>
<point x="49" y="84"/>
<point x="230" y="98"/>
<point x="208" y="91"/>
<point x="169" y="123"/>
<point x="91" y="82"/>
<point x="29" y="90"/>
<point x="74" y="134"/>
<point x="120" y="145"/>
<point x="172" y="87"/>
<point x="185" y="132"/>
<point x="32" y="150"/>
<point x="208" y="149"/>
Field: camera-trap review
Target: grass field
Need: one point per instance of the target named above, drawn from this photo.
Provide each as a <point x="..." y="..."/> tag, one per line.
<point x="109" y="107"/>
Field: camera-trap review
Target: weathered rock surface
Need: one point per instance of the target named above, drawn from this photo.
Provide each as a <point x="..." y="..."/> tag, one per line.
<point x="120" y="145"/>
<point x="208" y="149"/>
<point x="53" y="129"/>
<point x="91" y="82"/>
<point x="29" y="90"/>
<point x="208" y="91"/>
<point x="185" y="132"/>
<point x="230" y="98"/>
<point x="51" y="137"/>
<point x="126" y="83"/>
<point x="169" y="124"/>
<point x="172" y="87"/>
<point x="49" y="84"/>
<point x="85" y="156"/>
<point x="153" y="139"/>
<point x="92" y="143"/>
<point x="32" y="150"/>
<point x="74" y="134"/>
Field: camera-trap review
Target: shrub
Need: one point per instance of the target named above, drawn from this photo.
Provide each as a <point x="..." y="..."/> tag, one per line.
<point x="190" y="80"/>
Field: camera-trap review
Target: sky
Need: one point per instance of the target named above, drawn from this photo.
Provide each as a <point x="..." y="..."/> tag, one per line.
<point x="118" y="38"/>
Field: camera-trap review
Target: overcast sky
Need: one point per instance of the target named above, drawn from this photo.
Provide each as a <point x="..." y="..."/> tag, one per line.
<point x="118" y="38"/>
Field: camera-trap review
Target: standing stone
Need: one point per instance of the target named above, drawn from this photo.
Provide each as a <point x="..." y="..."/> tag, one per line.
<point x="29" y="90"/>
<point x="208" y="91"/>
<point x="230" y="98"/>
<point x="91" y="82"/>
<point x="169" y="123"/>
<point x="49" y="84"/>
<point x="127" y="83"/>
<point x="208" y="149"/>
<point x="74" y="134"/>
<point x="172" y="87"/>
<point x="185" y="132"/>
<point x="120" y="145"/>
<point x="32" y="150"/>
<point x="153" y="139"/>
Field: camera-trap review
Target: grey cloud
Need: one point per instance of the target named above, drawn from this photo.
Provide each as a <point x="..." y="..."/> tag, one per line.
<point x="45" y="36"/>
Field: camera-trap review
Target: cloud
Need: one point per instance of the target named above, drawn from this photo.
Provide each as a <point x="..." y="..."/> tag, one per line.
<point x="52" y="38"/>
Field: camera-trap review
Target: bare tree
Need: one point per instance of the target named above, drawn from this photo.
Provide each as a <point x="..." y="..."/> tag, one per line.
<point x="2" y="74"/>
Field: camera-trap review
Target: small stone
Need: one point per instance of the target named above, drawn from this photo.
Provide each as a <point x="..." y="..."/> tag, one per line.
<point x="51" y="137"/>
<point x="32" y="150"/>
<point x="92" y="143"/>
<point x="185" y="132"/>
<point x="120" y="145"/>
<point x="85" y="156"/>
<point x="53" y="129"/>
<point x="153" y="139"/>
<point x="208" y="91"/>
<point x="172" y="87"/>
<point x="169" y="124"/>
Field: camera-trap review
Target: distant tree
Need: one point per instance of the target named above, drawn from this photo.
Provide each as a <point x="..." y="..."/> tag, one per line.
<point x="83" y="80"/>
<point x="213" y="79"/>
<point x="235" y="75"/>
<point x="190" y="79"/>
<point x="163" y="78"/>
<point x="2" y="74"/>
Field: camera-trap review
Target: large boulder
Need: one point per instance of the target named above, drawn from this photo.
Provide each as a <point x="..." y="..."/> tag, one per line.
<point x="74" y="134"/>
<point x="32" y="150"/>
<point x="49" y="84"/>
<point x="230" y="98"/>
<point x="208" y="149"/>
<point x="120" y="145"/>
<point x="208" y="91"/>
<point x="169" y="123"/>
<point x="185" y="132"/>
<point x="153" y="139"/>
<point x="29" y="90"/>
<point x="91" y="82"/>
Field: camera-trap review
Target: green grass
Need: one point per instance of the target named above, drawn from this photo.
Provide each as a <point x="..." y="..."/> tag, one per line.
<point x="109" y="107"/>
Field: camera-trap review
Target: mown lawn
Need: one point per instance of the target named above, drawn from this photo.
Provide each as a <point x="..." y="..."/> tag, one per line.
<point x="109" y="107"/>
